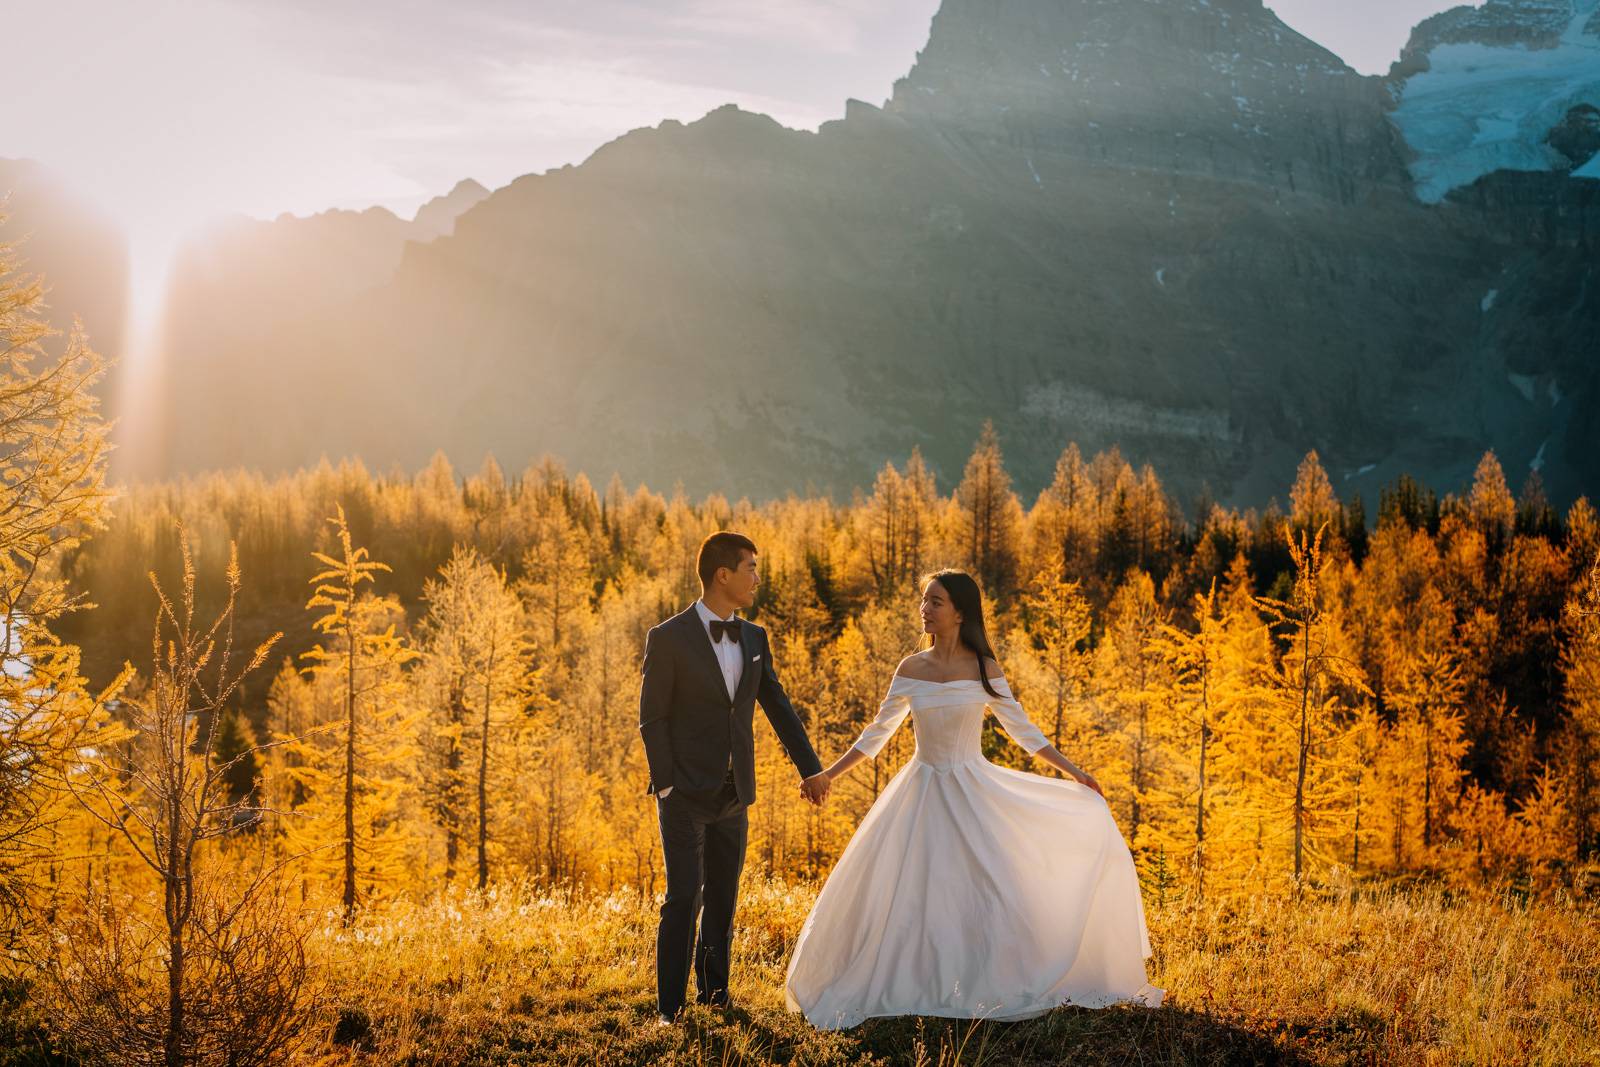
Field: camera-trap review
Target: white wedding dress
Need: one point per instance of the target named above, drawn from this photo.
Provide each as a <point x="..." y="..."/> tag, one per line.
<point x="971" y="890"/>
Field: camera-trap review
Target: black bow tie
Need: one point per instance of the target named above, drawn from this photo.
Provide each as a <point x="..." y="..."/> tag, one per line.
<point x="729" y="628"/>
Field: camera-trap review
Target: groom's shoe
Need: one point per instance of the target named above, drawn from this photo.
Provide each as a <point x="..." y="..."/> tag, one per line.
<point x="718" y="999"/>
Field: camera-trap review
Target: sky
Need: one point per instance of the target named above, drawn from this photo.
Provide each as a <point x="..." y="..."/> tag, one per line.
<point x="166" y="111"/>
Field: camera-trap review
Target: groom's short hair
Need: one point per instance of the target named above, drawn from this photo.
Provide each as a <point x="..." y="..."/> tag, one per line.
<point x="722" y="549"/>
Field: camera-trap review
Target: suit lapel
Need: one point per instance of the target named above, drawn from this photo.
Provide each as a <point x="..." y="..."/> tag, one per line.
<point x="700" y="642"/>
<point x="751" y="671"/>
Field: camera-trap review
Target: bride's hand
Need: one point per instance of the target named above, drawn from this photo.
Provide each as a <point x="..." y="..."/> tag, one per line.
<point x="1088" y="779"/>
<point x="815" y="788"/>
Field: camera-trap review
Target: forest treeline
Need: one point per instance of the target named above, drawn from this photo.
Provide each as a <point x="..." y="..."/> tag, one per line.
<point x="1261" y="693"/>
<point x="232" y="698"/>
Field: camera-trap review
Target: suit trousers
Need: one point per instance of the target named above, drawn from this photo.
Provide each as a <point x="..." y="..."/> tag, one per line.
<point x="703" y="838"/>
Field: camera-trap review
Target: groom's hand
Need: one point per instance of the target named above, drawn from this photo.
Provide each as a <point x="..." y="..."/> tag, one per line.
<point x="815" y="788"/>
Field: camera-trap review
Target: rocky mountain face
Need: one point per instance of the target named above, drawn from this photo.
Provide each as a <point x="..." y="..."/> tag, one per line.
<point x="1217" y="88"/>
<point x="1532" y="24"/>
<point x="239" y="266"/>
<point x="1498" y="105"/>
<point x="245" y="289"/>
<point x="1172" y="225"/>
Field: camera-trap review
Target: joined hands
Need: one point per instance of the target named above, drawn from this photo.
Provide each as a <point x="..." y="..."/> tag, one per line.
<point x="815" y="788"/>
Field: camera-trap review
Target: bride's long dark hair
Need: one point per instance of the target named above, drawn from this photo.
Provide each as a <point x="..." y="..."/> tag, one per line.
<point x="967" y="598"/>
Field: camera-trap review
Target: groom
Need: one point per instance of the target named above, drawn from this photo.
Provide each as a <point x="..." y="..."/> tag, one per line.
<point x="704" y="671"/>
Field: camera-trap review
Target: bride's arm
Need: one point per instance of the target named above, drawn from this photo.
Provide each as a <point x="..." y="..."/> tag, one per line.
<point x="891" y="713"/>
<point x="851" y="757"/>
<point x="1053" y="757"/>
<point x="1016" y="723"/>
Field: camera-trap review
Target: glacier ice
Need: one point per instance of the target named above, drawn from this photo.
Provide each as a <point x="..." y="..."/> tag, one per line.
<point x="1481" y="108"/>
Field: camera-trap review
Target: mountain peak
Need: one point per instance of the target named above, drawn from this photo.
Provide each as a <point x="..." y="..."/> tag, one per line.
<point x="1533" y="24"/>
<point x="727" y="132"/>
<point x="1221" y="87"/>
<point x="1073" y="48"/>
<point x="438" y="216"/>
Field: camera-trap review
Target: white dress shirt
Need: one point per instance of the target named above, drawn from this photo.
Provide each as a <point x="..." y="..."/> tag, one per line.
<point x="730" y="657"/>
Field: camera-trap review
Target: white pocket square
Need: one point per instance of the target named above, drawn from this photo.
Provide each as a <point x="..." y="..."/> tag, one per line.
<point x="754" y="658"/>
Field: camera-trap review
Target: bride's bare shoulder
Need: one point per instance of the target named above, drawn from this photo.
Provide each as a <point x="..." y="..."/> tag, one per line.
<point x="991" y="667"/>
<point x="915" y="666"/>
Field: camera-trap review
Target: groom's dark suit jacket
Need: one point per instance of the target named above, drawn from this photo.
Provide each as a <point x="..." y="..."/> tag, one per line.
<point x="689" y="725"/>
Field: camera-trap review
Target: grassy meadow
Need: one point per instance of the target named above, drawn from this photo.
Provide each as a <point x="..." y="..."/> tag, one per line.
<point x="1415" y="974"/>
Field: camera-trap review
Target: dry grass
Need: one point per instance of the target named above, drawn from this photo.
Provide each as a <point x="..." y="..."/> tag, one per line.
<point x="1396" y="975"/>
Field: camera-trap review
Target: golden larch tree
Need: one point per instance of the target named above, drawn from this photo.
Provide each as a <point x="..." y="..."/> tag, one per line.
<point x="991" y="516"/>
<point x="1311" y="689"/>
<point x="354" y="786"/>
<point x="55" y="498"/>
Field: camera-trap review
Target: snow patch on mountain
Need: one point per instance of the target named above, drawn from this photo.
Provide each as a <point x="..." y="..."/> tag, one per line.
<point x="1081" y="407"/>
<point x="1482" y="107"/>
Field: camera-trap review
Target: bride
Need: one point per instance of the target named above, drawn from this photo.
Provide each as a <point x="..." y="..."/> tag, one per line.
<point x="970" y="890"/>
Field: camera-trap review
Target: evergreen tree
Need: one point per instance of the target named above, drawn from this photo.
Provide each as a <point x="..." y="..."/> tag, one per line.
<point x="785" y="837"/>
<point x="1354" y="527"/>
<point x="1485" y="835"/>
<point x="1577" y="745"/>
<point x="353" y="789"/>
<point x="55" y="500"/>
<point x="222" y="979"/>
<point x="917" y="527"/>
<point x="475" y="646"/>
<point x="884" y="516"/>
<point x="1061" y="526"/>
<point x="1408" y="502"/>
<point x="1583" y="536"/>
<point x="1059" y="623"/>
<point x="1138" y="689"/>
<point x="1310" y="691"/>
<point x="1427" y="693"/>
<point x="1543" y="823"/>
<point x="556" y="585"/>
<point x="1209" y="688"/>
<point x="1312" y="501"/>
<point x="991" y="515"/>
<point x="1365" y="745"/>
<point x="1490" y="506"/>
<point x="236" y="749"/>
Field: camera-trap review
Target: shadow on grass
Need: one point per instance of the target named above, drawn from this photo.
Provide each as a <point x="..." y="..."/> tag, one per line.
<point x="621" y="1030"/>
<point x="1082" y="1037"/>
